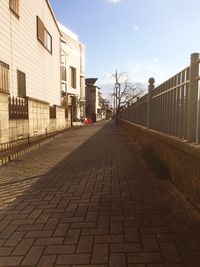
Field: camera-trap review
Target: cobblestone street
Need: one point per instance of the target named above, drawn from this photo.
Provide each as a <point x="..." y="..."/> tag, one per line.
<point x="88" y="199"/>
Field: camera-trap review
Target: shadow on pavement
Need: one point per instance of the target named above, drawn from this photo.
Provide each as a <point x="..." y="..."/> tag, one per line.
<point x="99" y="197"/>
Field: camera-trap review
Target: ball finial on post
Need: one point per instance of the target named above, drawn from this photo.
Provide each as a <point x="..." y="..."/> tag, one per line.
<point x="151" y="80"/>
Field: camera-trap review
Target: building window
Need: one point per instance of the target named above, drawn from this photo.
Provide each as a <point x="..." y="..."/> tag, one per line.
<point x="73" y="77"/>
<point x="4" y="76"/>
<point x="40" y="30"/>
<point x="14" y="7"/>
<point x="63" y="73"/>
<point x="63" y="66"/>
<point x="63" y="56"/>
<point x="21" y="84"/>
<point x="43" y="35"/>
<point x="48" y="40"/>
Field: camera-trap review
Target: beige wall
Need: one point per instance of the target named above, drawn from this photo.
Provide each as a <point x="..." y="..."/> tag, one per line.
<point x="4" y="116"/>
<point x="38" y="124"/>
<point x="60" y="123"/>
<point x="21" y="50"/>
<point x="182" y="159"/>
<point x="18" y="129"/>
<point x="60" y="118"/>
<point x="38" y="117"/>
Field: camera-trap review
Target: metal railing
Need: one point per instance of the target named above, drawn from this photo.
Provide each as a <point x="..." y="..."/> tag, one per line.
<point x="52" y="112"/>
<point x="173" y="107"/>
<point x="18" y="108"/>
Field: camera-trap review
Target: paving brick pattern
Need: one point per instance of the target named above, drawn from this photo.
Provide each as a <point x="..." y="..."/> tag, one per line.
<point x="88" y="199"/>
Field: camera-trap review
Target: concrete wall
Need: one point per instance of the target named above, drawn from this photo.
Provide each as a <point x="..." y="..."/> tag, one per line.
<point x="38" y="117"/>
<point x="4" y="125"/>
<point x="60" y="118"/>
<point x="181" y="158"/>
<point x="52" y="125"/>
<point x="18" y="129"/>
<point x="39" y="122"/>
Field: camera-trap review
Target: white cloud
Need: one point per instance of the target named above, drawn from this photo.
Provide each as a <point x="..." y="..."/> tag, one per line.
<point x="136" y="28"/>
<point x="114" y="1"/>
<point x="138" y="71"/>
<point x="142" y="70"/>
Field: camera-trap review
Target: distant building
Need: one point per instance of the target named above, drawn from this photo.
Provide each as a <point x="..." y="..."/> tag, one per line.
<point x="72" y="73"/>
<point x="94" y="100"/>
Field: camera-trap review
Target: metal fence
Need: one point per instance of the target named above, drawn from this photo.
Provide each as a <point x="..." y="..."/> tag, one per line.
<point x="52" y="112"/>
<point x="18" y="108"/>
<point x="173" y="107"/>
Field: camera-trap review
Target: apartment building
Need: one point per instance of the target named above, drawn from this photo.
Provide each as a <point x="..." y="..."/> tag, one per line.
<point x="72" y="73"/>
<point x="30" y="89"/>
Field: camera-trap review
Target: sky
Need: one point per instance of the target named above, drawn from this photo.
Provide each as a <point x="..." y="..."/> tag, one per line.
<point x="145" y="38"/>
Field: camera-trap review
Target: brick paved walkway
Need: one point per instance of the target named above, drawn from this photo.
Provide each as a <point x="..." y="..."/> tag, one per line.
<point x="87" y="199"/>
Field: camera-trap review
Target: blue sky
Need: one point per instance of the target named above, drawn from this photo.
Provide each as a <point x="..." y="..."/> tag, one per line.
<point x="142" y="37"/>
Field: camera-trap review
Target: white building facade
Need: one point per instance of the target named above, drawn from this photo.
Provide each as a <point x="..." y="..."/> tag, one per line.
<point x="30" y="75"/>
<point x="30" y="47"/>
<point x="72" y="73"/>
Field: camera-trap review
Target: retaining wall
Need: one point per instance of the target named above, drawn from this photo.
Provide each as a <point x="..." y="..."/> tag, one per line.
<point x="38" y="122"/>
<point x="4" y="117"/>
<point x="181" y="158"/>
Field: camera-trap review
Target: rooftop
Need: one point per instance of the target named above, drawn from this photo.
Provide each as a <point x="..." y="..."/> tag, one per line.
<point x="65" y="30"/>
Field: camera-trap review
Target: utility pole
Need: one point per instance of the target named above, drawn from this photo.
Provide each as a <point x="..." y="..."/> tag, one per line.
<point x="117" y="96"/>
<point x="116" y="93"/>
<point x="114" y="100"/>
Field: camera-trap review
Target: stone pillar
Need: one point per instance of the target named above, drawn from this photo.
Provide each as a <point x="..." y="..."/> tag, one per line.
<point x="4" y="117"/>
<point x="150" y="88"/>
<point x="193" y="99"/>
<point x="136" y="111"/>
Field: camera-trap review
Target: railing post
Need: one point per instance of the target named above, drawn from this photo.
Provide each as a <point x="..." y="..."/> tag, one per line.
<point x="150" y="88"/>
<point x="136" y="111"/>
<point x="193" y="99"/>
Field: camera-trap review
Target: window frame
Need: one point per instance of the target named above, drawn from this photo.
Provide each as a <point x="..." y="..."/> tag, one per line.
<point x="43" y="35"/>
<point x="5" y="81"/>
<point x="14" y="7"/>
<point x="64" y="74"/>
<point x="73" y="74"/>
<point x="40" y="30"/>
<point x="47" y="34"/>
<point x="21" y="92"/>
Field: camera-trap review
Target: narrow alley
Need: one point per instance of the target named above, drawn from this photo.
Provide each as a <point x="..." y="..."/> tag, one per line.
<point x="88" y="199"/>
